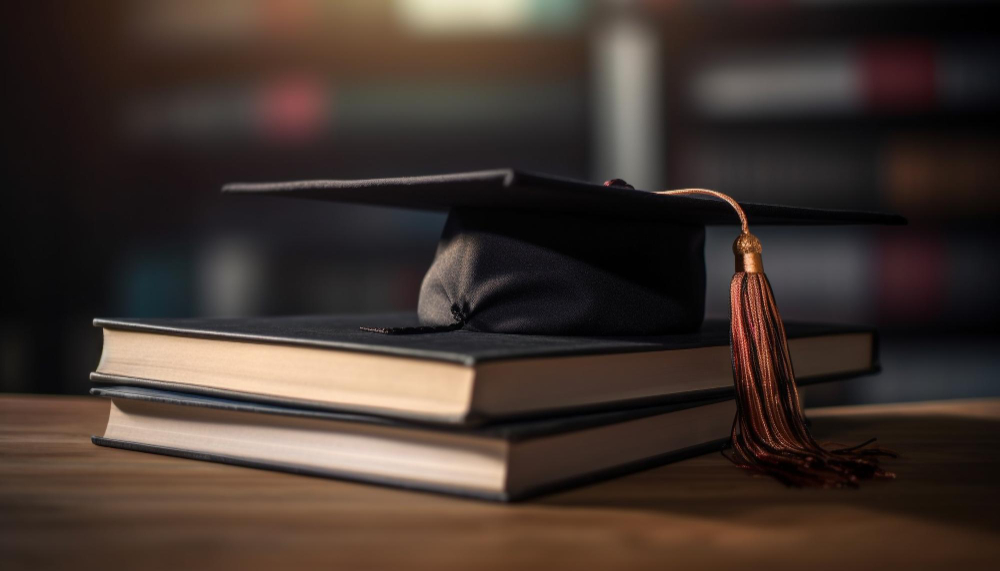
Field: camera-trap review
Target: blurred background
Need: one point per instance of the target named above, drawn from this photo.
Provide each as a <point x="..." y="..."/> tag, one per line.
<point x="123" y="118"/>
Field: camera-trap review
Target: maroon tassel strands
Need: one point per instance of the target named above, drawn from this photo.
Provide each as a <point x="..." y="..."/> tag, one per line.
<point x="770" y="436"/>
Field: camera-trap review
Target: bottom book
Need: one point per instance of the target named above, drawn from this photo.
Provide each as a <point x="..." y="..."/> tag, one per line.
<point x="502" y="462"/>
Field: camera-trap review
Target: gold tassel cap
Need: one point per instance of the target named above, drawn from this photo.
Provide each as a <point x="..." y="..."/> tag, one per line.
<point x="747" y="249"/>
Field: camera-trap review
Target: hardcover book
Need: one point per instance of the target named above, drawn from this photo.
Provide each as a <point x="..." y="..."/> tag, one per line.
<point x="501" y="462"/>
<point x="458" y="377"/>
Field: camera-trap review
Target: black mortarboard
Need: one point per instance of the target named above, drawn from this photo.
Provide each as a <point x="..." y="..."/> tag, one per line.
<point x="524" y="253"/>
<point x="530" y="254"/>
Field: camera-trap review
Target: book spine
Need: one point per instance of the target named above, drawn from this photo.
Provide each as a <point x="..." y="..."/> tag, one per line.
<point x="298" y="108"/>
<point x="889" y="77"/>
<point x="923" y="175"/>
<point x="785" y="168"/>
<point x="942" y="177"/>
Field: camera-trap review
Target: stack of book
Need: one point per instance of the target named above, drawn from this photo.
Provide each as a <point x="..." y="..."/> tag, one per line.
<point x="494" y="416"/>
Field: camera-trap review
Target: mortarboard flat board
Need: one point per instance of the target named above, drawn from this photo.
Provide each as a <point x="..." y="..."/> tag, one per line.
<point x="511" y="189"/>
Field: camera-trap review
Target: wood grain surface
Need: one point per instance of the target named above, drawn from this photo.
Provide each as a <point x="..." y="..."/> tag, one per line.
<point x="67" y="504"/>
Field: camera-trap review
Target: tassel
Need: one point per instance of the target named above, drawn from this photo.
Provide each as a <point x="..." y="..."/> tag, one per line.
<point x="770" y="436"/>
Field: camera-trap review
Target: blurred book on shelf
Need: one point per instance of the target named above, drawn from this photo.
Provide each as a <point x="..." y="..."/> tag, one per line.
<point x="946" y="176"/>
<point x="876" y="77"/>
<point x="187" y="24"/>
<point x="943" y="279"/>
<point x="782" y="166"/>
<point x="303" y="109"/>
<point x="927" y="176"/>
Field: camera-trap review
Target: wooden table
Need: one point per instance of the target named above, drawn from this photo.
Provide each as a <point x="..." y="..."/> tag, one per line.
<point x="65" y="503"/>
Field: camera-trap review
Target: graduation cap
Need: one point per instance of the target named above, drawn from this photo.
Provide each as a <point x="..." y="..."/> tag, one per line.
<point x="531" y="254"/>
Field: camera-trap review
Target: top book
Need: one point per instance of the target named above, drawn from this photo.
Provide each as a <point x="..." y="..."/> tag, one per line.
<point x="458" y="377"/>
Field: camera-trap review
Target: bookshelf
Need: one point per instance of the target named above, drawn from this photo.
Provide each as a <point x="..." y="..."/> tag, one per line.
<point x="129" y="116"/>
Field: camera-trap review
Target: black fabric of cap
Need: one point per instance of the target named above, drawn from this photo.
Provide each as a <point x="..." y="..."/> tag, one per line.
<point x="544" y="273"/>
